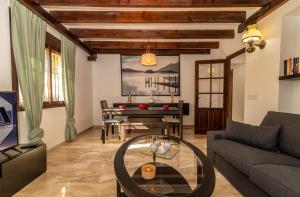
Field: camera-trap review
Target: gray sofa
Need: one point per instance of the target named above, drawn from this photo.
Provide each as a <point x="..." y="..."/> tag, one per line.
<point x="258" y="172"/>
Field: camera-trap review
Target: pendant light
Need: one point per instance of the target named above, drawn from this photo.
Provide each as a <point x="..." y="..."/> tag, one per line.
<point x="148" y="58"/>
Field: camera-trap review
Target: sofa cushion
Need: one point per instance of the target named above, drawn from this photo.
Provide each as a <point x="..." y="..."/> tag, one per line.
<point x="243" y="157"/>
<point x="264" y="137"/>
<point x="289" y="136"/>
<point x="277" y="180"/>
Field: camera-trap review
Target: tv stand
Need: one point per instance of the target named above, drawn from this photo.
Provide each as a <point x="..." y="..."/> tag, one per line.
<point x="18" y="167"/>
<point x="12" y="153"/>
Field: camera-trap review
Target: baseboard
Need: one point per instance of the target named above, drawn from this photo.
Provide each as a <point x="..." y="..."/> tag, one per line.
<point x="50" y="149"/>
<point x="89" y="128"/>
<point x="184" y="126"/>
<point x="188" y="126"/>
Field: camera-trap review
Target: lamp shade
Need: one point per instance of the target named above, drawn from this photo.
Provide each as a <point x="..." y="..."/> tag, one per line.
<point x="148" y="59"/>
<point x="252" y="34"/>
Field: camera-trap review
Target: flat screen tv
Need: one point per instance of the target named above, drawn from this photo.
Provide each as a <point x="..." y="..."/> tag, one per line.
<point x="8" y="120"/>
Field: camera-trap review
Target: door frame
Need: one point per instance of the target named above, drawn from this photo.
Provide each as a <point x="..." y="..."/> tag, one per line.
<point x="230" y="85"/>
<point x="226" y="84"/>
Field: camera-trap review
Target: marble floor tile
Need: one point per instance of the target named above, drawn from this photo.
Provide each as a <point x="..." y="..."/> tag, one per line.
<point x="84" y="168"/>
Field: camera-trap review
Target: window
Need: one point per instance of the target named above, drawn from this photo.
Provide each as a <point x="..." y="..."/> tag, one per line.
<point x="53" y="92"/>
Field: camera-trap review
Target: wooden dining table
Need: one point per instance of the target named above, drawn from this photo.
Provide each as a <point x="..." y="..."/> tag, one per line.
<point x="150" y="112"/>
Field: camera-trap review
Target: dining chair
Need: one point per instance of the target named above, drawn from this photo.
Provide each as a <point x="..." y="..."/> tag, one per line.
<point x="174" y="121"/>
<point x="108" y="120"/>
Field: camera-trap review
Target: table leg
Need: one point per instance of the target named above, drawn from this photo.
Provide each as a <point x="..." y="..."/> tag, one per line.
<point x="122" y="132"/>
<point x="118" y="190"/>
<point x="119" y="130"/>
<point x="167" y="130"/>
<point x="107" y="129"/>
<point x="103" y="134"/>
<point x="181" y="119"/>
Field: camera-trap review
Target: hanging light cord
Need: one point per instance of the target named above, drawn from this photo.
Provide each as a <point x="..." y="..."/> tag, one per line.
<point x="148" y="49"/>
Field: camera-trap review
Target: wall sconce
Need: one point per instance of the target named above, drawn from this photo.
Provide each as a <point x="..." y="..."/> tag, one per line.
<point x="251" y="37"/>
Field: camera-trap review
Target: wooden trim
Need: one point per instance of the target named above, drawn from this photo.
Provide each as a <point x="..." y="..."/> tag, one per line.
<point x="211" y="92"/>
<point x="230" y="105"/>
<point x="153" y="45"/>
<point x="50" y="75"/>
<point x="211" y="61"/>
<point x="155" y="3"/>
<point x="237" y="53"/>
<point x="149" y="16"/>
<point x="267" y="9"/>
<point x="92" y="58"/>
<point x="47" y="105"/>
<point x="153" y="34"/>
<point x="53" y="42"/>
<point x="155" y="51"/>
<point x="227" y="90"/>
<point x="39" y="11"/>
<point x="229" y="74"/>
<point x="53" y="104"/>
<point x="210" y="77"/>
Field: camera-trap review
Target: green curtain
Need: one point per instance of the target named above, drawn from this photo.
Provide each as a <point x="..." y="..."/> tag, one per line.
<point x="28" y="40"/>
<point x="68" y="67"/>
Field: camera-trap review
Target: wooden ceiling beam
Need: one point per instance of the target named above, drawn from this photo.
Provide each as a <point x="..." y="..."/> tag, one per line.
<point x="153" y="45"/>
<point x="157" y="52"/>
<point x="236" y="54"/>
<point x="149" y="16"/>
<point x="155" y="3"/>
<point x="261" y="13"/>
<point x="153" y="34"/>
<point x="38" y="10"/>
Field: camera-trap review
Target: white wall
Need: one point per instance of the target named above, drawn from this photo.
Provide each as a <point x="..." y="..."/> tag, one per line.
<point x="5" y="63"/>
<point x="83" y="91"/>
<point x="262" y="68"/>
<point x="54" y="119"/>
<point x="238" y="94"/>
<point x="107" y="83"/>
<point x="289" y="94"/>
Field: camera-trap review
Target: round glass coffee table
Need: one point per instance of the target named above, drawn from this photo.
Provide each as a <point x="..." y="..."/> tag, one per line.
<point x="159" y="165"/>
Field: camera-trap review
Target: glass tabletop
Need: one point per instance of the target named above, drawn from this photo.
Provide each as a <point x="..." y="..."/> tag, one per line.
<point x="163" y="165"/>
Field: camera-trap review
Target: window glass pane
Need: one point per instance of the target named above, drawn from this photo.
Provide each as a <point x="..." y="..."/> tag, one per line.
<point x="47" y="96"/>
<point x="218" y="70"/>
<point x="204" y="101"/>
<point x="57" y="92"/>
<point x="204" y="71"/>
<point x="204" y="85"/>
<point x="217" y="100"/>
<point x="217" y="85"/>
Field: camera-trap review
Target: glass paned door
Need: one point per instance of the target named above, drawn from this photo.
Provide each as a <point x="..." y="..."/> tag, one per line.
<point x="210" y="95"/>
<point x="210" y="85"/>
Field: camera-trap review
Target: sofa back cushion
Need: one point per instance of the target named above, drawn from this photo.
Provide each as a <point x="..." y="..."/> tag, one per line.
<point x="289" y="136"/>
<point x="264" y="137"/>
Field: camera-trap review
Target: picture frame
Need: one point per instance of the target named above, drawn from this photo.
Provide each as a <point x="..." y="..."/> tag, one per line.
<point x="162" y="79"/>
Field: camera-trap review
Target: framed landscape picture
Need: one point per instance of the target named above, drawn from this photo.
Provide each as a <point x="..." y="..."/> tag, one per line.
<point x="162" y="79"/>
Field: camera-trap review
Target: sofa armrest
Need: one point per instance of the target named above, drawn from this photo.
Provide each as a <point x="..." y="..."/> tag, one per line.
<point x="211" y="137"/>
